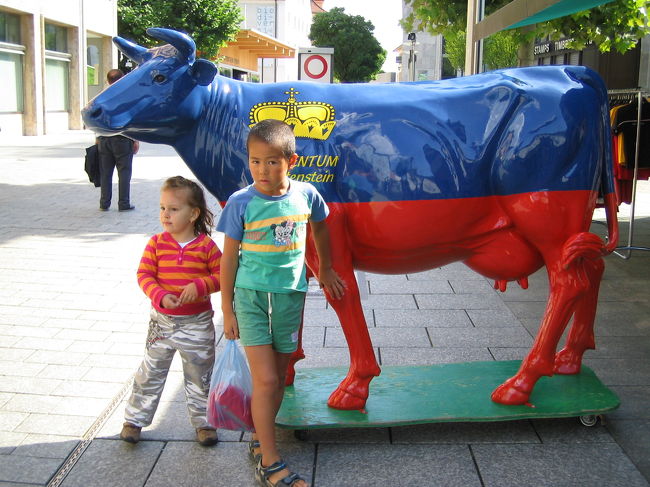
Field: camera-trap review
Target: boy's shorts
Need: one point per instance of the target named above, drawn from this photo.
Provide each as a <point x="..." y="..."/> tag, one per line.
<point x="269" y="318"/>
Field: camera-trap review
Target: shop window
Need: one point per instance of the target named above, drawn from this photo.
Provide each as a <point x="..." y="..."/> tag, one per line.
<point x="9" y="28"/>
<point x="56" y="87"/>
<point x="56" y="38"/>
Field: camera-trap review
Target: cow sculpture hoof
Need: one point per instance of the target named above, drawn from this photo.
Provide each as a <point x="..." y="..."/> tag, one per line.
<point x="510" y="395"/>
<point x="567" y="362"/>
<point x="351" y="394"/>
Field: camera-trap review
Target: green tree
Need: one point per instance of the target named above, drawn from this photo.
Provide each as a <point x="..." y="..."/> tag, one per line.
<point x="358" y="56"/>
<point x="211" y="23"/>
<point x="619" y="25"/>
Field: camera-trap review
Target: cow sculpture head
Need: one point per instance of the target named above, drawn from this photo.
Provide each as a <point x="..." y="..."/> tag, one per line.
<point x="160" y="99"/>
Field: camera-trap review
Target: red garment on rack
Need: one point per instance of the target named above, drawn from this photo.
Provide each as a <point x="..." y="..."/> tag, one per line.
<point x="624" y="177"/>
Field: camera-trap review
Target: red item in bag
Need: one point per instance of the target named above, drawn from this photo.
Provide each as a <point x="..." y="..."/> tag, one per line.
<point x="230" y="409"/>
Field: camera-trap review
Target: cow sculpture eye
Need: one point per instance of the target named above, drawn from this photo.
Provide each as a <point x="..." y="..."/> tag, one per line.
<point x="159" y="78"/>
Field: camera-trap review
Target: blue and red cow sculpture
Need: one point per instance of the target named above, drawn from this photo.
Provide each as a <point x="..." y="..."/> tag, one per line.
<point x="501" y="171"/>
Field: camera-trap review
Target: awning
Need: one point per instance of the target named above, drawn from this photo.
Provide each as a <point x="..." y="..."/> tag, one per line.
<point x="262" y="45"/>
<point x="560" y="9"/>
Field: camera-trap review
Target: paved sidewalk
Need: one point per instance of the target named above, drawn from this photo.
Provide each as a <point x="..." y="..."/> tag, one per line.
<point x="73" y="324"/>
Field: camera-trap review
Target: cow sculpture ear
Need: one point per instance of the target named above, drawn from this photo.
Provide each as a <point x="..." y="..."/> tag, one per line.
<point x="203" y="71"/>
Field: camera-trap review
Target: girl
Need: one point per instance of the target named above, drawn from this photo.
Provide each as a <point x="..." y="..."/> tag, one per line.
<point x="178" y="271"/>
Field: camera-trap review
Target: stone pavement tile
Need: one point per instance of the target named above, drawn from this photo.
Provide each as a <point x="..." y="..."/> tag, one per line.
<point x="570" y="430"/>
<point x="384" y="286"/>
<point x="509" y="353"/>
<point x="18" y="470"/>
<point x="110" y="463"/>
<point x="22" y="369"/>
<point x="127" y="337"/>
<point x="372" y="465"/>
<point x="623" y="319"/>
<point x="83" y="335"/>
<point x="56" y="357"/>
<point x="85" y="388"/>
<point x="32" y="403"/>
<point x="314" y="336"/>
<point x="634" y="403"/>
<point x="13" y="354"/>
<point x="556" y="465"/>
<point x="632" y="436"/>
<point x="29" y="385"/>
<point x="616" y="347"/>
<point x="126" y="349"/>
<point x="325" y="357"/>
<point x="430" y="356"/>
<point x="65" y="372"/>
<point x="459" y="301"/>
<point x="492" y="317"/>
<point x="327" y="317"/>
<point x="455" y="270"/>
<point x="46" y="446"/>
<point x="36" y="343"/>
<point x="394" y="278"/>
<point x="8" y="341"/>
<point x="224" y="464"/>
<point x="124" y="361"/>
<point x="443" y="318"/>
<point x="5" y="397"/>
<point x="396" y="301"/>
<point x="58" y="424"/>
<point x="383" y="337"/>
<point x="31" y="331"/>
<point x="480" y="337"/>
<point x="108" y="374"/>
<point x="621" y="371"/>
<point x="89" y="347"/>
<point x="472" y="286"/>
<point x="465" y="433"/>
<point x="530" y="310"/>
<point x="9" y="441"/>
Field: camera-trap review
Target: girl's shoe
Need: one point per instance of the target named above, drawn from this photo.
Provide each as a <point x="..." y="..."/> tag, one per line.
<point x="130" y="433"/>
<point x="263" y="473"/>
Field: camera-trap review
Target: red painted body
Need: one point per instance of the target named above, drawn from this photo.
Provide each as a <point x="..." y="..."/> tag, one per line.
<point x="505" y="238"/>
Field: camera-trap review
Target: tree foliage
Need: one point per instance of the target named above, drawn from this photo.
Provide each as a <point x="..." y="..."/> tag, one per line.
<point x="358" y="56"/>
<point x="615" y="25"/>
<point x="211" y="23"/>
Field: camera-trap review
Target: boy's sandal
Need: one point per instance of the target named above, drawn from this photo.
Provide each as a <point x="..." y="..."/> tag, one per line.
<point x="252" y="446"/>
<point x="263" y="474"/>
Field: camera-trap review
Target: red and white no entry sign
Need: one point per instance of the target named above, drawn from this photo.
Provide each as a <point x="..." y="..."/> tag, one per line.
<point x="315" y="65"/>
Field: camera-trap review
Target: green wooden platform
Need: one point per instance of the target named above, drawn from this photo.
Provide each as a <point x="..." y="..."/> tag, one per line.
<point x="408" y="395"/>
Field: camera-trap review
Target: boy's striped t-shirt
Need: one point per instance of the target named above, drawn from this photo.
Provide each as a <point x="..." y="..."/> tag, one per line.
<point x="166" y="267"/>
<point x="272" y="231"/>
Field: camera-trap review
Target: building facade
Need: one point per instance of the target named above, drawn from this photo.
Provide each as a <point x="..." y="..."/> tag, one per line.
<point x="53" y="59"/>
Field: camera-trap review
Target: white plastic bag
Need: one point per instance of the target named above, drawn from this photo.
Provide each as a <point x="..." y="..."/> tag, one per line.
<point x="231" y="388"/>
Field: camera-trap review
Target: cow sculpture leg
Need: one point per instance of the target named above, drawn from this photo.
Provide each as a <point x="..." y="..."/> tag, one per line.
<point x="574" y="277"/>
<point x="352" y="392"/>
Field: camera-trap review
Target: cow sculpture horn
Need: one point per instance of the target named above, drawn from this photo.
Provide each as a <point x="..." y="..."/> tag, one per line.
<point x="133" y="51"/>
<point x="182" y="42"/>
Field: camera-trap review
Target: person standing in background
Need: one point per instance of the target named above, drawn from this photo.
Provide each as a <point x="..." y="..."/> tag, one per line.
<point x="116" y="152"/>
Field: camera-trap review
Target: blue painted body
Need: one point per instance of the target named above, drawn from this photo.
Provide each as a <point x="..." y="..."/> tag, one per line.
<point x="499" y="133"/>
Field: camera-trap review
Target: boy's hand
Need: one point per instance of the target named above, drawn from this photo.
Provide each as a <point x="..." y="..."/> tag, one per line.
<point x="170" y="301"/>
<point x="189" y="294"/>
<point x="331" y="282"/>
<point x="230" y="326"/>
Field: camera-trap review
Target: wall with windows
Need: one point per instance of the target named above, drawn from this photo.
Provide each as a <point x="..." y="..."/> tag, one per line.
<point x="53" y="59"/>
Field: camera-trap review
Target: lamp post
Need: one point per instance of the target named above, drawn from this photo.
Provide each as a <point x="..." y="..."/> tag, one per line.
<point x="411" y="37"/>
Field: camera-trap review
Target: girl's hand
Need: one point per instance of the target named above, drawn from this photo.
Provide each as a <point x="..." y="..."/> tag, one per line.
<point x="330" y="281"/>
<point x="230" y="326"/>
<point x="170" y="301"/>
<point x="189" y="294"/>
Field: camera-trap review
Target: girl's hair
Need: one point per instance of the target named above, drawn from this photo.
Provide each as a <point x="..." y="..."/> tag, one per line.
<point x="196" y="199"/>
<point x="275" y="133"/>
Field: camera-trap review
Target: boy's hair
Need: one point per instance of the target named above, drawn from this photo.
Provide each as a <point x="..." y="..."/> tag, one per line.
<point x="275" y="133"/>
<point x="196" y="199"/>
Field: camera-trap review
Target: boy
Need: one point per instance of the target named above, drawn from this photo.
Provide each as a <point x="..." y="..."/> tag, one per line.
<point x="267" y="221"/>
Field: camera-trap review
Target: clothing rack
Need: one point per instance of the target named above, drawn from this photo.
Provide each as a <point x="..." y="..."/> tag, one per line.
<point x="625" y="252"/>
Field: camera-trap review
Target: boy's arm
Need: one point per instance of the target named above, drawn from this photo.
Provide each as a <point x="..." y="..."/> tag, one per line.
<point x="327" y="277"/>
<point x="229" y="265"/>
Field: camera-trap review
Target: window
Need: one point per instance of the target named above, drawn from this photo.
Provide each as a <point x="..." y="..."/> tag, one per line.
<point x="9" y="28"/>
<point x="56" y="38"/>
<point x="56" y="86"/>
<point x="11" y="74"/>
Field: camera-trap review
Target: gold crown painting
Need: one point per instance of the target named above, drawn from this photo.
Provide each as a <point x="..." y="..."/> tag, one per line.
<point x="311" y="119"/>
